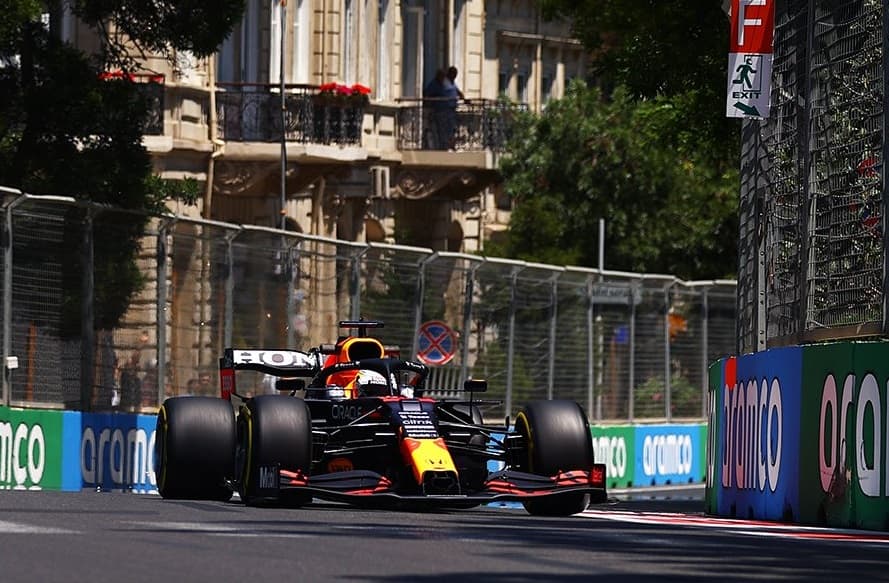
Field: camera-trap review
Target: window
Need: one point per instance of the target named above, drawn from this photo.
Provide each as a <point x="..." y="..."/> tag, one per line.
<point x="384" y="55"/>
<point x="412" y="50"/>
<point x="278" y="14"/>
<point x="503" y="84"/>
<point x="546" y="87"/>
<point x="302" y="34"/>
<point x="522" y="86"/>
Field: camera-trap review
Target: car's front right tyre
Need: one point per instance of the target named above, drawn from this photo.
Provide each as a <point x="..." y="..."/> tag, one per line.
<point x="558" y="439"/>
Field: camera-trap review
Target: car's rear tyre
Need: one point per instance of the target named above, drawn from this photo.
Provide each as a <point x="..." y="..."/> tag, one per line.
<point x="194" y="448"/>
<point x="558" y="439"/>
<point x="273" y="429"/>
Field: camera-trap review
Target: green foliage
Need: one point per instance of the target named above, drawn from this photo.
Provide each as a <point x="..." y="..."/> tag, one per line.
<point x="668" y="208"/>
<point x="656" y="48"/>
<point x="649" y="398"/>
<point x="63" y="130"/>
<point x="648" y="148"/>
<point x="188" y="191"/>
<point x="158" y="26"/>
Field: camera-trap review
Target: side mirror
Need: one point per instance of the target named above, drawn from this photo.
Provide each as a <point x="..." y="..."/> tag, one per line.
<point x="475" y="385"/>
<point x="290" y="384"/>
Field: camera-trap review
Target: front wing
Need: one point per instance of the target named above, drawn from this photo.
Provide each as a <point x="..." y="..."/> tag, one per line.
<point x="367" y="487"/>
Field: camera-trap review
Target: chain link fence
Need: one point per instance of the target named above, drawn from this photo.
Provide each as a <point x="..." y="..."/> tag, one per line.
<point x="812" y="263"/>
<point x="626" y="346"/>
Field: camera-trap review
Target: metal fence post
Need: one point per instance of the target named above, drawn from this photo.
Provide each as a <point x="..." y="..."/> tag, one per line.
<point x="667" y="387"/>
<point x="634" y="290"/>
<point x="87" y="315"/>
<point x="705" y="331"/>
<point x="161" y="305"/>
<point x="355" y="284"/>
<point x="292" y="262"/>
<point x="418" y="306"/>
<point x="554" y="313"/>
<point x="7" y="297"/>
<point x="589" y="347"/>
<point x="510" y="351"/>
<point x="228" y="326"/>
<point x="467" y="321"/>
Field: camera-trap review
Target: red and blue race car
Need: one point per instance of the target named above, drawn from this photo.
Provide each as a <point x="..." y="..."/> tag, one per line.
<point x="352" y="424"/>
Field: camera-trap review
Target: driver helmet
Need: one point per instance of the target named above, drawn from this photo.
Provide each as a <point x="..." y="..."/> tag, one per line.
<point x="370" y="382"/>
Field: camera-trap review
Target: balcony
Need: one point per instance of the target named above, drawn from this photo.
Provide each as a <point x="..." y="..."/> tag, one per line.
<point x="252" y="113"/>
<point x="469" y="126"/>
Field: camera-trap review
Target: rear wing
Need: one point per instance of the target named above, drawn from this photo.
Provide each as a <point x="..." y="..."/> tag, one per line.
<point x="280" y="363"/>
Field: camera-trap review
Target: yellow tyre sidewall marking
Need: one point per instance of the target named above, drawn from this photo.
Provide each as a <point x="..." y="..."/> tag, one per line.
<point x="523" y="419"/>
<point x="162" y="418"/>
<point x="248" y="458"/>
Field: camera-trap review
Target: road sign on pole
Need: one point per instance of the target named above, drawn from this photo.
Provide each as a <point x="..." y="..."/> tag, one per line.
<point x="436" y="343"/>
<point x="750" y="58"/>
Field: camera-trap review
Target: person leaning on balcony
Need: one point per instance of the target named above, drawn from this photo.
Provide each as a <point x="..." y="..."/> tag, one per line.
<point x="452" y="93"/>
<point x="435" y="99"/>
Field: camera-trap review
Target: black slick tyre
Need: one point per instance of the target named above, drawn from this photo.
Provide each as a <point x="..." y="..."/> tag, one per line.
<point x="194" y="448"/>
<point x="558" y="439"/>
<point x="273" y="430"/>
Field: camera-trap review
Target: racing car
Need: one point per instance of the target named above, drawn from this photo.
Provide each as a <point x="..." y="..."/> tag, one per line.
<point x="363" y="432"/>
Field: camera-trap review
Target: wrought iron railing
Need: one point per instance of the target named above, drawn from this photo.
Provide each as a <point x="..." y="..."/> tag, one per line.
<point x="252" y="113"/>
<point x="443" y="124"/>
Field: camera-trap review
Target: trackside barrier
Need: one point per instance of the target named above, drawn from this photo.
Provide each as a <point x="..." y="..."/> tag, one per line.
<point x="650" y="455"/>
<point x="799" y="434"/>
<point x="69" y="450"/>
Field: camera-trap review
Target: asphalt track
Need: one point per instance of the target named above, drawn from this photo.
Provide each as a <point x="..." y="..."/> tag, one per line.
<point x="651" y="536"/>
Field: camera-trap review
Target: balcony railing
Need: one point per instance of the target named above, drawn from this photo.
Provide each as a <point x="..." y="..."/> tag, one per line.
<point x="442" y="124"/>
<point x="151" y="87"/>
<point x="252" y="113"/>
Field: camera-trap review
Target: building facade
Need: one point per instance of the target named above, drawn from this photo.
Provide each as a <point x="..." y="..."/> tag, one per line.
<point x="327" y="164"/>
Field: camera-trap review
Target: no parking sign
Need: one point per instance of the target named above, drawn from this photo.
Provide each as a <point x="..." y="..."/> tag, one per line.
<point x="436" y="343"/>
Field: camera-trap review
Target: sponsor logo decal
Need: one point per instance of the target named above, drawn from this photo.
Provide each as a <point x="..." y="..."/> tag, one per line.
<point x="22" y="456"/>
<point x="753" y="414"/>
<point x="418" y="425"/>
<point x="667" y="454"/>
<point x="863" y="412"/>
<point x="345" y="412"/>
<point x="126" y="460"/>
<point x="612" y="450"/>
<point x="268" y="477"/>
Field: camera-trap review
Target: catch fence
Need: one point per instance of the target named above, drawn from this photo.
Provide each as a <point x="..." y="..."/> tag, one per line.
<point x="813" y="237"/>
<point x="626" y="346"/>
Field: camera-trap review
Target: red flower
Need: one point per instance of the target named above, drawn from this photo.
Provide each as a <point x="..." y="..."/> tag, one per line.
<point x="360" y="89"/>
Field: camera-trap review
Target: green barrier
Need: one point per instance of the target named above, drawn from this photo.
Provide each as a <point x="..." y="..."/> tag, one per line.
<point x="30" y="449"/>
<point x="614" y="445"/>
<point x="843" y="457"/>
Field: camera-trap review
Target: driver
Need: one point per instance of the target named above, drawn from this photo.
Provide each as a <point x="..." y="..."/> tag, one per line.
<point x="367" y="383"/>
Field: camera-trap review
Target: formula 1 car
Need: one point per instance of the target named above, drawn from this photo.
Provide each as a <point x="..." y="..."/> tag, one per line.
<point x="364" y="433"/>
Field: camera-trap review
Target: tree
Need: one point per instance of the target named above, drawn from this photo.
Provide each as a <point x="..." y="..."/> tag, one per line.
<point x="633" y="162"/>
<point x="654" y="48"/>
<point x="646" y="147"/>
<point x="64" y="129"/>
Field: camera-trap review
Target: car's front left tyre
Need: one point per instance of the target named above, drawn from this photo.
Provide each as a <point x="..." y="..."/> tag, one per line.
<point x="194" y="448"/>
